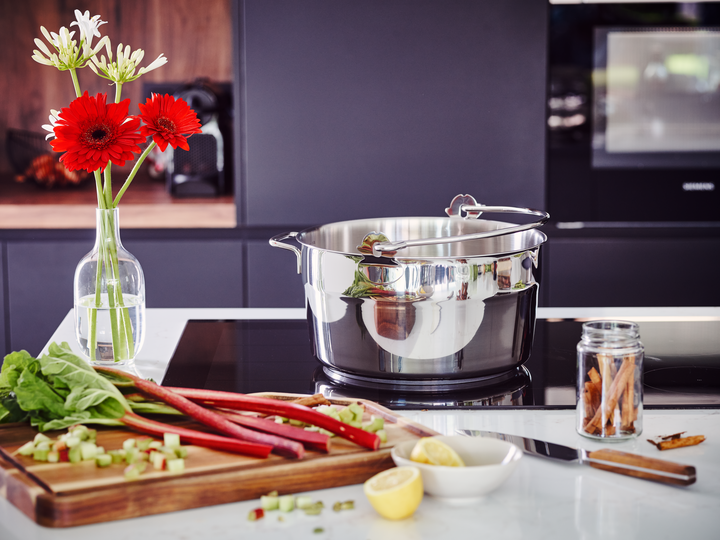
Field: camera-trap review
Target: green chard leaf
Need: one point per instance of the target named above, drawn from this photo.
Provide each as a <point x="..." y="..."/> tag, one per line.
<point x="90" y="391"/>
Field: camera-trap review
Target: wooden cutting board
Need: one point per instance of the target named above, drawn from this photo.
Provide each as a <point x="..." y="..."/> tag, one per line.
<point x="70" y="494"/>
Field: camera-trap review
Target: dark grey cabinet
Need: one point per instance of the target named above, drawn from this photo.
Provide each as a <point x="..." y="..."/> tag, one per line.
<point x="625" y="272"/>
<point x="178" y="273"/>
<point x="380" y="108"/>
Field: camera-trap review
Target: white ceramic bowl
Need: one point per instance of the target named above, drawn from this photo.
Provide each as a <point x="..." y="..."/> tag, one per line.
<point x="488" y="463"/>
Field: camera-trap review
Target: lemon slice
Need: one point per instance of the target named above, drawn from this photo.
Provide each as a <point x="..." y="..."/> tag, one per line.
<point x="435" y="452"/>
<point x="395" y="493"/>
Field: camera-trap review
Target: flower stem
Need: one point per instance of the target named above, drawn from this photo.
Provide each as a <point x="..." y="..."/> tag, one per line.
<point x="107" y="191"/>
<point x="132" y="174"/>
<point x="76" y="83"/>
<point x="118" y="91"/>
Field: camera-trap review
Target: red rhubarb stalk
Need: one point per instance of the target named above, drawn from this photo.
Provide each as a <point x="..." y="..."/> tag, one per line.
<point x="199" y="438"/>
<point x="310" y="439"/>
<point x="231" y="400"/>
<point x="280" y="445"/>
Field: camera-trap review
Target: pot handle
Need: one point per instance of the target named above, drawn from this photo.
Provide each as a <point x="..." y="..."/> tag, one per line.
<point x="472" y="210"/>
<point x="277" y="241"/>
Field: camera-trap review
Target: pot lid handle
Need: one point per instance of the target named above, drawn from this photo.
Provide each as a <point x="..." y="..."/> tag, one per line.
<point x="473" y="210"/>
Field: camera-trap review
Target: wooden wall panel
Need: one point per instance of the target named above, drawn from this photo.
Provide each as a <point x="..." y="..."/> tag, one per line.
<point x="195" y="35"/>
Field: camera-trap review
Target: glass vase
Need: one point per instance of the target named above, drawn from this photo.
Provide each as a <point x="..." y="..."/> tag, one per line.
<point x="109" y="298"/>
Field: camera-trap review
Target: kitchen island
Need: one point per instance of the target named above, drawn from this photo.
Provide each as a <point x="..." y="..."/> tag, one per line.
<point x="541" y="499"/>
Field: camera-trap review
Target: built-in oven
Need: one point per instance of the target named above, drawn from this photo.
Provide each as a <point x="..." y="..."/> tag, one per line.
<point x="633" y="113"/>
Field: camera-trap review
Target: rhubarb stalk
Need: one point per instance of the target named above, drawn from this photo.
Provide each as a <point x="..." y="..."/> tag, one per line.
<point x="310" y="439"/>
<point x="280" y="445"/>
<point x="230" y="400"/>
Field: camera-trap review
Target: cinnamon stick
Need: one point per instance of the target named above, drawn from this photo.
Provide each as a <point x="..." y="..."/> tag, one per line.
<point x="628" y="404"/>
<point x="678" y="442"/>
<point x="612" y="395"/>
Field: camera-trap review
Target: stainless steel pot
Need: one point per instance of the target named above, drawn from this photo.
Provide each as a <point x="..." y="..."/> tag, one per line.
<point x="428" y="302"/>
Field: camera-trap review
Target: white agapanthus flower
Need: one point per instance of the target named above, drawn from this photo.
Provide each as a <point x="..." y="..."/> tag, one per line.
<point x="54" y="117"/>
<point x="88" y="27"/>
<point x="123" y="69"/>
<point x="67" y="54"/>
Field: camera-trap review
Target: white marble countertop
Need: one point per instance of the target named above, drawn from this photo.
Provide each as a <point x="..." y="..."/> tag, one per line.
<point x="542" y="499"/>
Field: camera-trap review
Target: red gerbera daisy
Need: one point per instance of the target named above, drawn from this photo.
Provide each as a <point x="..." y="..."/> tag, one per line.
<point x="168" y="121"/>
<point x="92" y="133"/>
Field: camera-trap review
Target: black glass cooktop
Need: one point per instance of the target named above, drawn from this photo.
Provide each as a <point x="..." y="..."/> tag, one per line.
<point x="682" y="366"/>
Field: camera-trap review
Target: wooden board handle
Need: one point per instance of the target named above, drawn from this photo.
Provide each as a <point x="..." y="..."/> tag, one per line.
<point x="657" y="470"/>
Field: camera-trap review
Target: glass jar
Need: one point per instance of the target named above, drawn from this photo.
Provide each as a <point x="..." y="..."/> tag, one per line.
<point x="610" y="380"/>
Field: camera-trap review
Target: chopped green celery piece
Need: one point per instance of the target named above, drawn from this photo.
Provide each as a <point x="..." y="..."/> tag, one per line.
<point x="176" y="465"/>
<point x="72" y="441"/>
<point x="286" y="503"/>
<point x="41" y="437"/>
<point x="346" y="415"/>
<point x="303" y="501"/>
<point x="269" y="502"/>
<point x="376" y="424"/>
<point x="74" y="455"/>
<point x="155" y="445"/>
<point x="42" y="445"/>
<point x="134" y="470"/>
<point x="158" y="460"/>
<point x="357" y="410"/>
<point x="131" y="455"/>
<point x="181" y="452"/>
<point x="143" y="444"/>
<point x="41" y="455"/>
<point x="26" y="449"/>
<point x="382" y="434"/>
<point x="88" y="450"/>
<point x="128" y="443"/>
<point x="81" y="432"/>
<point x="329" y="410"/>
<point x="314" y="509"/>
<point x="103" y="460"/>
<point x="53" y="456"/>
<point x="171" y="440"/>
<point x="118" y="456"/>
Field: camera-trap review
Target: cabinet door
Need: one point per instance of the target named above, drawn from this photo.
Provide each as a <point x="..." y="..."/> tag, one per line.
<point x="191" y="273"/>
<point x="40" y="289"/>
<point x="272" y="278"/>
<point x="4" y="328"/>
<point x="390" y="108"/>
<point x="632" y="272"/>
<point x="178" y="273"/>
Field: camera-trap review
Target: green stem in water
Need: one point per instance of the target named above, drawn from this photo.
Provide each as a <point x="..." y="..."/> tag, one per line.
<point x="107" y="187"/>
<point x="132" y="174"/>
<point x="92" y="311"/>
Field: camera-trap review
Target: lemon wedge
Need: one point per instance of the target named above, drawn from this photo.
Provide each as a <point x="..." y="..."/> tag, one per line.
<point x="435" y="452"/>
<point x="395" y="493"/>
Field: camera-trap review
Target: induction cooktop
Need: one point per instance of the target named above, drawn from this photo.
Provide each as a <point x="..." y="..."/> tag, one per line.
<point x="681" y="368"/>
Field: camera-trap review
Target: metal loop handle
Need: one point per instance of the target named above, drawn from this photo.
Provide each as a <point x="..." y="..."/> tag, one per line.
<point x="277" y="241"/>
<point x="473" y="211"/>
